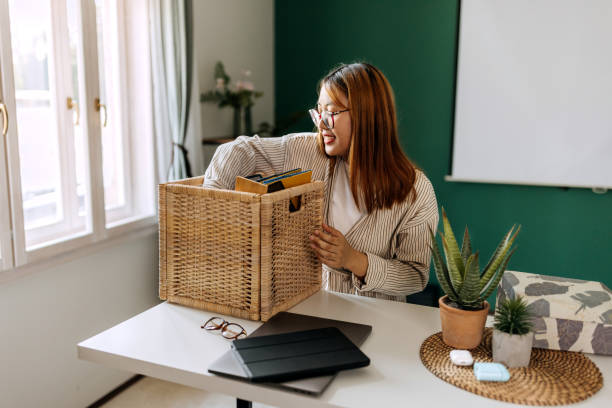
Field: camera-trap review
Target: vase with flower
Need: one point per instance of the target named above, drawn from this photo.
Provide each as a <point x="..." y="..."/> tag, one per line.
<point x="240" y="97"/>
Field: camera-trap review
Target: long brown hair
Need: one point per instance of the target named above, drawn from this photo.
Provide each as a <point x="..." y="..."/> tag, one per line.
<point x="380" y="173"/>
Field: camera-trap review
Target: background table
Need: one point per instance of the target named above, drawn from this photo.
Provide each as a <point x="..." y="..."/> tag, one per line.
<point x="167" y="342"/>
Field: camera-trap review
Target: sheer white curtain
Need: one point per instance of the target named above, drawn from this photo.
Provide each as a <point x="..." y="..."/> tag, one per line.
<point x="172" y="72"/>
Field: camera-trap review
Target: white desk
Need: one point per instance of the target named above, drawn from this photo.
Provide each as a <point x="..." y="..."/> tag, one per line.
<point x="167" y="342"/>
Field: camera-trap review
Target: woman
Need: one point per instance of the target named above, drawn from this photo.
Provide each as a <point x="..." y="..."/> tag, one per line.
<point x="378" y="208"/>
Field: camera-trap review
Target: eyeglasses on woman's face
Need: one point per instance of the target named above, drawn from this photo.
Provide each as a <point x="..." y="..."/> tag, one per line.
<point x="229" y="330"/>
<point x="325" y="116"/>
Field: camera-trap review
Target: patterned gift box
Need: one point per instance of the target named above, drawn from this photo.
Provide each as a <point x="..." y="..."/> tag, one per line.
<point x="571" y="314"/>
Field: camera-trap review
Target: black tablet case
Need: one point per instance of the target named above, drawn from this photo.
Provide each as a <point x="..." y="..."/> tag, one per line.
<point x="228" y="364"/>
<point x="290" y="356"/>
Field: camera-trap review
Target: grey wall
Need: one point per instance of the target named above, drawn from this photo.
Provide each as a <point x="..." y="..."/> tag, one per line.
<point x="241" y="35"/>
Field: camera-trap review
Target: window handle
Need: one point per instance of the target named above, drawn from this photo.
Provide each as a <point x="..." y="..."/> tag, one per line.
<point x="72" y="104"/>
<point x="101" y="106"/>
<point x="5" y="119"/>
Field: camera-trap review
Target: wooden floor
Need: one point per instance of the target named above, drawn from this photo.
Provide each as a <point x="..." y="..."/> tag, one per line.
<point x="153" y="393"/>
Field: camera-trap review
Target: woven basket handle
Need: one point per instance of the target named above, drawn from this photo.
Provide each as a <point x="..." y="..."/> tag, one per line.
<point x="295" y="204"/>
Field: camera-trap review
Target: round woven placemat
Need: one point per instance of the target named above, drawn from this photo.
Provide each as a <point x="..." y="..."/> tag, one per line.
<point x="552" y="378"/>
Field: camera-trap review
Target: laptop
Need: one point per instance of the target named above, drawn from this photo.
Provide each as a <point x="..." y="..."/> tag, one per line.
<point x="285" y="322"/>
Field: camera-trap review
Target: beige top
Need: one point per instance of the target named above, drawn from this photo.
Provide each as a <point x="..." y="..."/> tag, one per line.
<point x="343" y="210"/>
<point x="396" y="240"/>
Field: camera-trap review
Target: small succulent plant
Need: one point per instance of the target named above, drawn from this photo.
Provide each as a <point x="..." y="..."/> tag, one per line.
<point x="513" y="316"/>
<point x="460" y="276"/>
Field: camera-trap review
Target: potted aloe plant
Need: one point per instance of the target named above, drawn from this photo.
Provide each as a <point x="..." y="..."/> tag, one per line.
<point x="464" y="309"/>
<point x="512" y="334"/>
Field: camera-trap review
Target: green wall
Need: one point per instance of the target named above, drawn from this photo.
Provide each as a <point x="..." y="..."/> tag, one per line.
<point x="565" y="232"/>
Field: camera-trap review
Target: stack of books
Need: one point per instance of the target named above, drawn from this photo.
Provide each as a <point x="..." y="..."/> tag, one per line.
<point x="263" y="185"/>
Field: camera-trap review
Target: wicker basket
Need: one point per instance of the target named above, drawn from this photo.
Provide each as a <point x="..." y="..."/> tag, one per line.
<point x="236" y="253"/>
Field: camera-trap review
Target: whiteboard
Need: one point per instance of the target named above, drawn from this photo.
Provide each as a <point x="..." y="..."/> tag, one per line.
<point x="534" y="93"/>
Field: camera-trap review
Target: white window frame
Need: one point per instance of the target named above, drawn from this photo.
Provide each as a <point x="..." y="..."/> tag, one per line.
<point x="142" y="178"/>
<point x="61" y="89"/>
<point x="137" y="102"/>
<point x="6" y="240"/>
<point x="117" y="103"/>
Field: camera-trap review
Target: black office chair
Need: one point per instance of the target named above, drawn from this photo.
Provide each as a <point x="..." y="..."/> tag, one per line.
<point x="428" y="297"/>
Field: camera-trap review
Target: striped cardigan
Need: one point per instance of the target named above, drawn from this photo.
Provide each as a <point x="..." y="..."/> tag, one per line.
<point x="396" y="240"/>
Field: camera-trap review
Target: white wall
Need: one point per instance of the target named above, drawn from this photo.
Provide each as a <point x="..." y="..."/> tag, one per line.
<point x="45" y="314"/>
<point x="239" y="33"/>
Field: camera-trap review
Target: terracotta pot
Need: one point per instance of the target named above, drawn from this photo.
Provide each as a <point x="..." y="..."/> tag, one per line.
<point x="462" y="329"/>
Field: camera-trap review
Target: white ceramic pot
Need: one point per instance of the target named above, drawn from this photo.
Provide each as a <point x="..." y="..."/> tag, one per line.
<point x="512" y="349"/>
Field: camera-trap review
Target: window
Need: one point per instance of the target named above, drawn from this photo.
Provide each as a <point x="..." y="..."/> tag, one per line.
<point x="73" y="165"/>
<point x="6" y="249"/>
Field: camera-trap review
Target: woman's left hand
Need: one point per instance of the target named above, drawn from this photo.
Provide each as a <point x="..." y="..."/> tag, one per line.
<point x="331" y="247"/>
